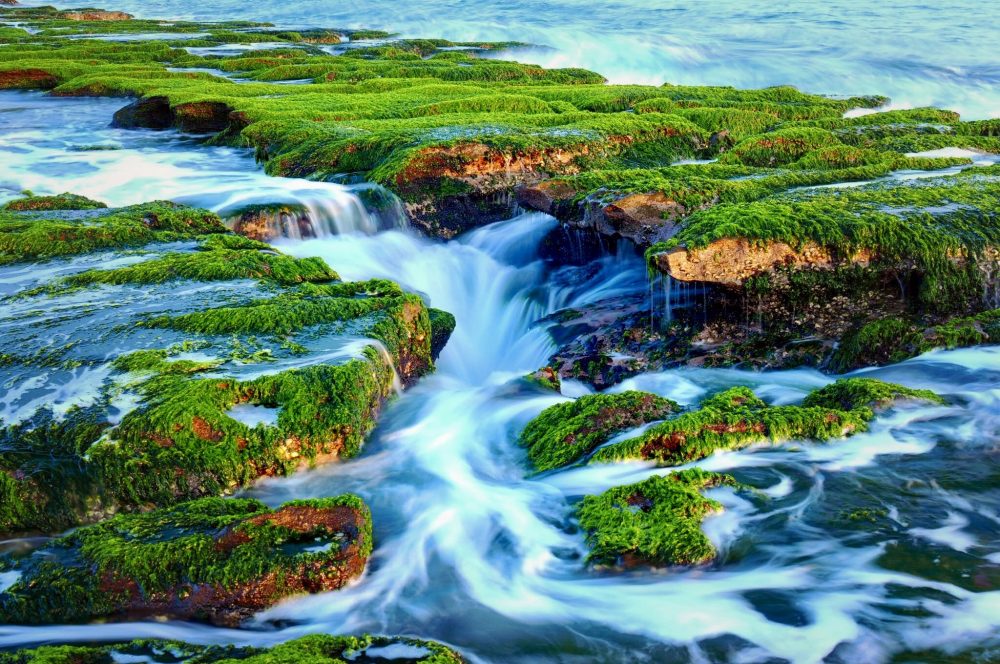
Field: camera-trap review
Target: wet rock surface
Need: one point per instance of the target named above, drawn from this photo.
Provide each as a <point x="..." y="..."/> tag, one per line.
<point x="167" y="322"/>
<point x="318" y="648"/>
<point x="211" y="559"/>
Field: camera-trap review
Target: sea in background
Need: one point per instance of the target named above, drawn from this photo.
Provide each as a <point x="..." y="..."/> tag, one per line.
<point x="918" y="53"/>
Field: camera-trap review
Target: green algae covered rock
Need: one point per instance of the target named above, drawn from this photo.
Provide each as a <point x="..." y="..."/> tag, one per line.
<point x="737" y="418"/>
<point x="442" y="327"/>
<point x="655" y="522"/>
<point x="27" y="237"/>
<point x="566" y="432"/>
<point x="855" y="393"/>
<point x="313" y="649"/>
<point x="197" y="358"/>
<point x="896" y="338"/>
<point x="211" y="559"/>
<point x="65" y="201"/>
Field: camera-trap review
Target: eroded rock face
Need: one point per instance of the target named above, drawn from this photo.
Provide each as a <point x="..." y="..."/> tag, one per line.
<point x="643" y="218"/>
<point x="731" y="261"/>
<point x="212" y="559"/>
<point x="27" y="79"/>
<point x="454" y="188"/>
<point x="94" y="15"/>
<point x="193" y="118"/>
<point x="267" y="223"/>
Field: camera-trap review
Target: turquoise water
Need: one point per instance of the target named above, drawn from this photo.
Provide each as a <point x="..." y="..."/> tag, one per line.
<point x="918" y="53"/>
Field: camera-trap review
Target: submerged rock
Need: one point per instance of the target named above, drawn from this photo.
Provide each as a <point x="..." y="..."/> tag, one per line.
<point x="731" y="419"/>
<point x="656" y="522"/>
<point x="211" y="559"/>
<point x="569" y="431"/>
<point x="314" y="649"/>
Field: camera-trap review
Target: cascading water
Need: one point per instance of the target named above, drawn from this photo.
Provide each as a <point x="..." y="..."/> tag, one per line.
<point x="126" y="167"/>
<point x="473" y="551"/>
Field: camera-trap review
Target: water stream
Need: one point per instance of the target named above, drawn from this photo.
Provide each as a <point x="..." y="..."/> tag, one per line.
<point x="473" y="552"/>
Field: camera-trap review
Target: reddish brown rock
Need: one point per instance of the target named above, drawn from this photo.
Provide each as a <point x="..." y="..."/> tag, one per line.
<point x="95" y="15"/>
<point x="731" y="261"/>
<point x="27" y="79"/>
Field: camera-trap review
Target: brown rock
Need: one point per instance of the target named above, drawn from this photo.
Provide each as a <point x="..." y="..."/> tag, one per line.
<point x="22" y="79"/>
<point x="645" y="218"/>
<point x="95" y="15"/>
<point x="731" y="261"/>
<point x="545" y="196"/>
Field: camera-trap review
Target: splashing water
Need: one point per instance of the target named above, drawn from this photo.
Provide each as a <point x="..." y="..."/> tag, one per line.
<point x="473" y="552"/>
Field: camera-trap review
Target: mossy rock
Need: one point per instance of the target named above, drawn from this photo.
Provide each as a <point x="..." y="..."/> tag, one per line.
<point x="855" y="393"/>
<point x="26" y="237"/>
<point x="894" y="339"/>
<point x="442" y="327"/>
<point x="567" y="432"/>
<point x="656" y="522"/>
<point x="180" y="438"/>
<point x="454" y="134"/>
<point x="65" y="201"/>
<point x="313" y="649"/>
<point x="212" y="559"/>
<point x="737" y="418"/>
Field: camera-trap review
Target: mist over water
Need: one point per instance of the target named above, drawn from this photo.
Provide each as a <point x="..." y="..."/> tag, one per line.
<point x="918" y="53"/>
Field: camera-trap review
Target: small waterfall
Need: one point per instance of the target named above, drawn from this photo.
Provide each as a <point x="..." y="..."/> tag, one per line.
<point x="679" y="298"/>
<point x="668" y="304"/>
<point x="313" y="213"/>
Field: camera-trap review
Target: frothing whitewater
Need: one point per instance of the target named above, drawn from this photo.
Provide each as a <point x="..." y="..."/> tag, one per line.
<point x="473" y="550"/>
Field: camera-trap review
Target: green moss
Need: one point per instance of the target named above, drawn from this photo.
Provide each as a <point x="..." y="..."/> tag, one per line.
<point x="312" y="649"/>
<point x="655" y="522"/>
<point x="291" y="311"/>
<point x="442" y="326"/>
<point x="855" y="393"/>
<point x="737" y="418"/>
<point x="45" y="203"/>
<point x="163" y="561"/>
<point x="893" y="339"/>
<point x="216" y="264"/>
<point x="566" y="432"/>
<point x="780" y="147"/>
<point x="25" y="238"/>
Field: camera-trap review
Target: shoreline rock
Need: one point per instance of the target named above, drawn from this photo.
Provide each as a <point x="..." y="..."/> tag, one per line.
<point x="217" y="560"/>
<point x="180" y="436"/>
<point x="316" y="649"/>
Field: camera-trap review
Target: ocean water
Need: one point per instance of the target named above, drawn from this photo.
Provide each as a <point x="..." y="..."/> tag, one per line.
<point x="917" y="52"/>
<point x="475" y="552"/>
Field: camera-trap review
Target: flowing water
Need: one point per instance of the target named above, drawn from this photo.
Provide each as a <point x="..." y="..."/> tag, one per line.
<point x="918" y="53"/>
<point x="473" y="552"/>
